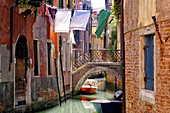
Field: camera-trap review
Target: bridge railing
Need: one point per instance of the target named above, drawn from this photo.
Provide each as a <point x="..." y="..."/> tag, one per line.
<point x="94" y="55"/>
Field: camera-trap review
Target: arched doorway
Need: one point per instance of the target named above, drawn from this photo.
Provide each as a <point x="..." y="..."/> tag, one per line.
<point x="21" y="55"/>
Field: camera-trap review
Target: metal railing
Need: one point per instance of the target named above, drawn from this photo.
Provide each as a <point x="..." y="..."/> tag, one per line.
<point x="105" y="55"/>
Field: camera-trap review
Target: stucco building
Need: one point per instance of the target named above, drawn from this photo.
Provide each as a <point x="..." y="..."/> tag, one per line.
<point x="28" y="51"/>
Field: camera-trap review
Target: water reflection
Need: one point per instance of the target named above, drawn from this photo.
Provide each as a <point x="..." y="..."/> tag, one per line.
<point x="80" y="103"/>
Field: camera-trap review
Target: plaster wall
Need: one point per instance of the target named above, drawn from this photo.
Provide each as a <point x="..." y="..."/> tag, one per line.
<point x="138" y="13"/>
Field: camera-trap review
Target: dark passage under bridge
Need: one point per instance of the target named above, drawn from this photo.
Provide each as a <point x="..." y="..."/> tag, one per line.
<point x="95" y="60"/>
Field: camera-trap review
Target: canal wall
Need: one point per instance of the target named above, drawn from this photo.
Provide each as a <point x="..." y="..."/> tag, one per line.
<point x="6" y="95"/>
<point x="112" y="82"/>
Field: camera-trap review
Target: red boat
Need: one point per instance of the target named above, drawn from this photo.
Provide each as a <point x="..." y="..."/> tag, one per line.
<point x="89" y="87"/>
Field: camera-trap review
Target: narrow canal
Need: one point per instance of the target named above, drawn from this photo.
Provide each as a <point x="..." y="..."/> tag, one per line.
<point x="81" y="103"/>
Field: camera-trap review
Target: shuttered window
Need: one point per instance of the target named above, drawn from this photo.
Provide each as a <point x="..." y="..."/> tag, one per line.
<point x="35" y="58"/>
<point x="68" y="55"/>
<point x="49" y="57"/>
<point x="64" y="54"/>
<point x="149" y="62"/>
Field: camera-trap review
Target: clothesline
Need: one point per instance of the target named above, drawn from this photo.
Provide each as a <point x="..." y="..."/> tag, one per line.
<point x="62" y="17"/>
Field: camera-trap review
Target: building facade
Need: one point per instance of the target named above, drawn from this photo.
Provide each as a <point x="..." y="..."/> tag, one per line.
<point x="83" y="38"/>
<point x="28" y="51"/>
<point x="147" y="57"/>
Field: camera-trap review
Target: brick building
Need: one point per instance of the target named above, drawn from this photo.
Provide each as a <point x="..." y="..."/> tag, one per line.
<point x="147" y="56"/>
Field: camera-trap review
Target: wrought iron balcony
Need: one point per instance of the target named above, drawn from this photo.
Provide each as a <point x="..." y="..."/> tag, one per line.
<point x="105" y="55"/>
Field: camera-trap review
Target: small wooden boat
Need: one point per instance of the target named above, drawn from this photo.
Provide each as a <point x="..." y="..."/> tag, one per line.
<point x="89" y="87"/>
<point x="107" y="106"/>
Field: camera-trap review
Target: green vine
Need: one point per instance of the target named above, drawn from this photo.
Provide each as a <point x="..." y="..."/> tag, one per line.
<point x="22" y="2"/>
<point x="115" y="9"/>
<point x="36" y="13"/>
<point x="72" y="3"/>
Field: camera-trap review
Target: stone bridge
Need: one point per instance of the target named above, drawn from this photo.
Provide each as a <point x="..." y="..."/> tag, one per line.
<point x="98" y="60"/>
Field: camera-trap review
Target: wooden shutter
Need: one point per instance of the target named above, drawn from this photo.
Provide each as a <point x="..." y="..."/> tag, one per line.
<point x="149" y="62"/>
<point x="49" y="57"/>
<point x="35" y="58"/>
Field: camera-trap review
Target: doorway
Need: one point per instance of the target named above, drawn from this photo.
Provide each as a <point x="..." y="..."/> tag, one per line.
<point x="21" y="55"/>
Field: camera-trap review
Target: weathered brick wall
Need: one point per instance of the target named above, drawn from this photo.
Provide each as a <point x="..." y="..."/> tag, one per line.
<point x="162" y="82"/>
<point x="132" y="72"/>
<point x="114" y="81"/>
<point x="44" y="89"/>
<point x="163" y="69"/>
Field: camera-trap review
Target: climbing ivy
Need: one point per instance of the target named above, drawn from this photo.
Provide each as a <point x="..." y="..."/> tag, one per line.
<point x="22" y="2"/>
<point x="115" y="9"/>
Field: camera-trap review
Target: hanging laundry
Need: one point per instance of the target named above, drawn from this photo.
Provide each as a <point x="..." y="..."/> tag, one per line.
<point x="79" y="20"/>
<point x="53" y="12"/>
<point x="103" y="18"/>
<point x="47" y="13"/>
<point x="72" y="37"/>
<point x="62" y="20"/>
<point x="50" y="12"/>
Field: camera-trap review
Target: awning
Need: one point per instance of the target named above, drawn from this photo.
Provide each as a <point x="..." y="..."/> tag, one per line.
<point x="103" y="18"/>
<point x="62" y="20"/>
<point x="79" y="20"/>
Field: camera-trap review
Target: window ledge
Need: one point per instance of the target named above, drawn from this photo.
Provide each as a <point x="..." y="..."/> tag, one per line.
<point x="147" y="95"/>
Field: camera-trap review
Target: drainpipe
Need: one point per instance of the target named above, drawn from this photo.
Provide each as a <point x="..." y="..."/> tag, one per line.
<point x="123" y="55"/>
<point x="11" y="30"/>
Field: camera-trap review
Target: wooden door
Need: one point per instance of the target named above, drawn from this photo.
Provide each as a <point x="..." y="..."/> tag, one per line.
<point x="20" y="71"/>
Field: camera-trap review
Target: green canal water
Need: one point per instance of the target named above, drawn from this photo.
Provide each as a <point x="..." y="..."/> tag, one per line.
<point x="80" y="103"/>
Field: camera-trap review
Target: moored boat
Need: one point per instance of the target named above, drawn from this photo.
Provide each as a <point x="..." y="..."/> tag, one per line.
<point x="89" y="86"/>
<point x="107" y="106"/>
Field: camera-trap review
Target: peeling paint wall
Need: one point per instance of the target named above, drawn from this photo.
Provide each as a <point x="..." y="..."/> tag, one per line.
<point x="138" y="13"/>
<point x="40" y="33"/>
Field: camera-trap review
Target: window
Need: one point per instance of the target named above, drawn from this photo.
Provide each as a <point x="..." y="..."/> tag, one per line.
<point x="36" y="67"/>
<point x="77" y="36"/>
<point x="86" y="46"/>
<point x="49" y="57"/>
<point x="64" y="54"/>
<point x="68" y="55"/>
<point x="0" y="57"/>
<point x="50" y="2"/>
<point x="83" y="46"/>
<point x="97" y="46"/>
<point x="149" y="62"/>
<point x="60" y="3"/>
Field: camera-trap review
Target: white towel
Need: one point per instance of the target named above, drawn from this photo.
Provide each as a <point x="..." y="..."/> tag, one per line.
<point x="79" y="20"/>
<point x="62" y="20"/>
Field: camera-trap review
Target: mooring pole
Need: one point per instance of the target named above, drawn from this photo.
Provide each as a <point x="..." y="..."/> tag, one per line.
<point x="61" y="64"/>
<point x="56" y="71"/>
<point x="123" y="56"/>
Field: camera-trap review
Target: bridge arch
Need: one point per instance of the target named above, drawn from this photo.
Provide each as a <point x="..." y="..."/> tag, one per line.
<point x="88" y="73"/>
